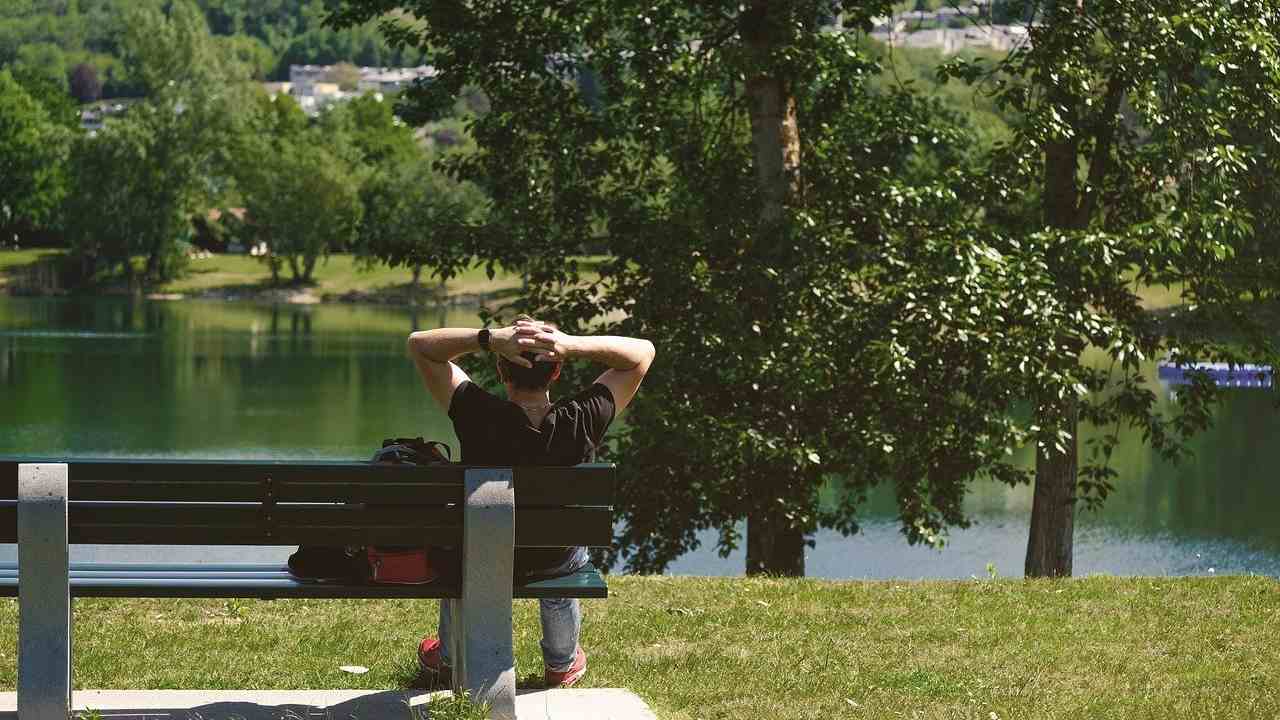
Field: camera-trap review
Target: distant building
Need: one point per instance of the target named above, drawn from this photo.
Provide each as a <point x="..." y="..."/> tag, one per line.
<point x="393" y="79"/>
<point x="94" y="116"/>
<point x="950" y="40"/>
<point x="310" y="84"/>
<point x="308" y="74"/>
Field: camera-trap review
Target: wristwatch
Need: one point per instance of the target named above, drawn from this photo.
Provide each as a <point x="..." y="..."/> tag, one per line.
<point x="483" y="338"/>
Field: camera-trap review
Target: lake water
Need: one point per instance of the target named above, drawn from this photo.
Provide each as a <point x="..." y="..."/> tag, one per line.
<point x="194" y="379"/>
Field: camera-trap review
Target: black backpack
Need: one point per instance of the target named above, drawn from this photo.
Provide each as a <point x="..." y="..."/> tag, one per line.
<point x="384" y="564"/>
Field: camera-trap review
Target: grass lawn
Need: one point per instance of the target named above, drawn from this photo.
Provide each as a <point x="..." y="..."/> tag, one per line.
<point x="339" y="275"/>
<point x="1099" y="647"/>
<point x="10" y="260"/>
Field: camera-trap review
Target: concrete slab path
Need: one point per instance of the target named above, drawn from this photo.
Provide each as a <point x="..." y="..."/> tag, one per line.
<point x="591" y="704"/>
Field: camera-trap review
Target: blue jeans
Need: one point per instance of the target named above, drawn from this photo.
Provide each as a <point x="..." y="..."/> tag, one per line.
<point x="561" y="621"/>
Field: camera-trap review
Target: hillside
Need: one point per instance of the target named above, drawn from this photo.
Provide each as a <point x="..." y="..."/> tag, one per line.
<point x="55" y="37"/>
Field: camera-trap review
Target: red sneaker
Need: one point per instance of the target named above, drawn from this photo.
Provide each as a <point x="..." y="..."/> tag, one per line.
<point x="566" y="678"/>
<point x="431" y="661"/>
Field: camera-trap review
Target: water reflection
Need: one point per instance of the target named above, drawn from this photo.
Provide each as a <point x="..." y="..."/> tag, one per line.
<point x="94" y="377"/>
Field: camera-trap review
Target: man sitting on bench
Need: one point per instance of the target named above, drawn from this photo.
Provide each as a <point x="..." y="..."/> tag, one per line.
<point x="528" y="429"/>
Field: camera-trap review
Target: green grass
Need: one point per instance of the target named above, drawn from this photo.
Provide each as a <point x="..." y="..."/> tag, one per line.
<point x="1099" y="647"/>
<point x="339" y="275"/>
<point x="12" y="260"/>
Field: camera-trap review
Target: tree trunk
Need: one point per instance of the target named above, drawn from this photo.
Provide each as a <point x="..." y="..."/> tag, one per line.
<point x="127" y="267"/>
<point x="775" y="131"/>
<point x="1051" y="542"/>
<point x="417" y="275"/>
<point x="308" y="268"/>
<point x="1050" y="547"/>
<point x="774" y="547"/>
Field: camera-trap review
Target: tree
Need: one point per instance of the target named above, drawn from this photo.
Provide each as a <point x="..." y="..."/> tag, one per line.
<point x="418" y="217"/>
<point x="787" y="233"/>
<point x="248" y="56"/>
<point x="51" y="94"/>
<point x="138" y="180"/>
<point x="134" y="186"/>
<point x="372" y="128"/>
<point x="346" y="75"/>
<point x="33" y="151"/>
<point x="1144" y="131"/>
<point x="165" y="48"/>
<point x="44" y="59"/>
<point x="85" y="86"/>
<point x="301" y="199"/>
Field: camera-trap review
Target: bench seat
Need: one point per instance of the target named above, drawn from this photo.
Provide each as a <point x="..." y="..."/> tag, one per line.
<point x="269" y="582"/>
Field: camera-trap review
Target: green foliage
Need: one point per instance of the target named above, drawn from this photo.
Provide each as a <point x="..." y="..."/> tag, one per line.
<point x="33" y="148"/>
<point x="302" y="199"/>
<point x="261" y="36"/>
<point x="1142" y="134"/>
<point x="51" y="94"/>
<point x="44" y="59"/>
<point x="246" y="56"/>
<point x="863" y="336"/>
<point x="418" y="217"/>
<point x="172" y="47"/>
<point x="137" y="182"/>
<point x="134" y="184"/>
<point x="370" y="125"/>
<point x="916" y="69"/>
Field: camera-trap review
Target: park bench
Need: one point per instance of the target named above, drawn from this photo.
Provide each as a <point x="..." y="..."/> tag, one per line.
<point x="487" y="512"/>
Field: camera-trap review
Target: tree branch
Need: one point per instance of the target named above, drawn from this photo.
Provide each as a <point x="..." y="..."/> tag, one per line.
<point x="1104" y="137"/>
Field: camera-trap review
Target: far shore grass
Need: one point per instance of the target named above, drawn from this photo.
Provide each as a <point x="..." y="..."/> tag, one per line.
<point x="243" y="277"/>
<point x="342" y="276"/>
<point x="1097" y="647"/>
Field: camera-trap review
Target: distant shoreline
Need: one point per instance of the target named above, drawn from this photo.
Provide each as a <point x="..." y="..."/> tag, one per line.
<point x="341" y="279"/>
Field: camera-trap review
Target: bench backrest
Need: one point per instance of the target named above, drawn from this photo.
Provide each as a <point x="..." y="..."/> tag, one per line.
<point x="186" y="502"/>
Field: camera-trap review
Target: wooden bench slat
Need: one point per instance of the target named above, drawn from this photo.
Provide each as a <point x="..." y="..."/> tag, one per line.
<point x="588" y="484"/>
<point x="561" y="527"/>
<point x="248" y="524"/>
<point x="245" y="481"/>
<point x="271" y="581"/>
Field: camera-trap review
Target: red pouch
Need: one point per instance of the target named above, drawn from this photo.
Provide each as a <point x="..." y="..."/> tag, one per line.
<point x="399" y="567"/>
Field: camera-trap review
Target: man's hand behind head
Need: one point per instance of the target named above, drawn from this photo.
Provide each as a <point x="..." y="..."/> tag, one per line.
<point x="550" y="344"/>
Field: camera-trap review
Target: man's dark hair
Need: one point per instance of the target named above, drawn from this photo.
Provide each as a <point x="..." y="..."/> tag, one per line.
<point x="538" y="377"/>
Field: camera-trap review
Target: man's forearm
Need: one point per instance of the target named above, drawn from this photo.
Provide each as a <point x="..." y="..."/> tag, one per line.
<point x="619" y="353"/>
<point x="442" y="345"/>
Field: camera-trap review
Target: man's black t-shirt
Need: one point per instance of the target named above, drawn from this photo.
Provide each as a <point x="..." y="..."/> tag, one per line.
<point x="496" y="432"/>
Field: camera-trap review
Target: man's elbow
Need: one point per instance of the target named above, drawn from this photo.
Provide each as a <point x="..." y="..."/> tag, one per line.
<point x="416" y="344"/>
<point x="650" y="352"/>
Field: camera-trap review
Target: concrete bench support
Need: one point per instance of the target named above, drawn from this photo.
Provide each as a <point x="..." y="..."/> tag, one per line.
<point x="484" y="662"/>
<point x="44" y="594"/>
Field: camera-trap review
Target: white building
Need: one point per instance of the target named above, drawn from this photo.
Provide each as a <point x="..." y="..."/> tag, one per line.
<point x="978" y="36"/>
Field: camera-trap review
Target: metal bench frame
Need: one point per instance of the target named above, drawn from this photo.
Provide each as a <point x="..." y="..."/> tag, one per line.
<point x="482" y="652"/>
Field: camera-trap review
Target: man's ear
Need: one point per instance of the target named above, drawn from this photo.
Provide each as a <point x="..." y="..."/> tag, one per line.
<point x="497" y="361"/>
<point x="555" y="375"/>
